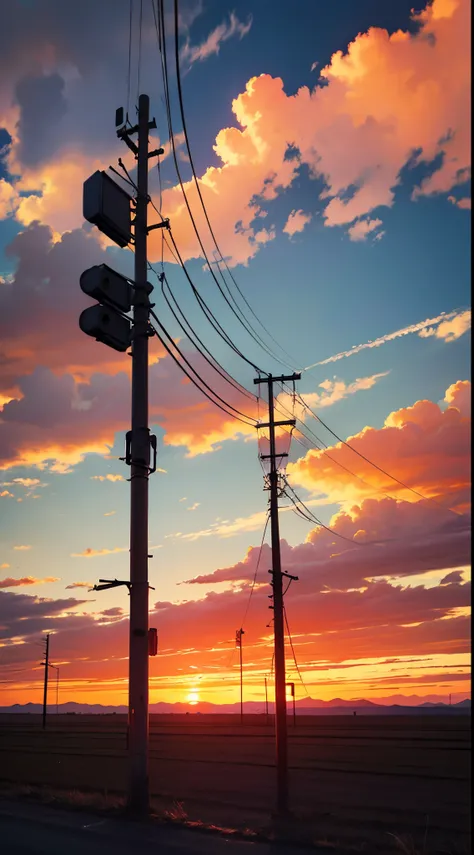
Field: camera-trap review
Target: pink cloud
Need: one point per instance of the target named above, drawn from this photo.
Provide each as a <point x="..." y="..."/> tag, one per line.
<point x="362" y="228"/>
<point x="26" y="580"/>
<point x="387" y="100"/>
<point x="424" y="446"/>
<point x="296" y="222"/>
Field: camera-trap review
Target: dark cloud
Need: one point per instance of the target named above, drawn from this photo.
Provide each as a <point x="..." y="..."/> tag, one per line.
<point x="454" y="578"/>
<point x="25" y="615"/>
<point x="43" y="105"/>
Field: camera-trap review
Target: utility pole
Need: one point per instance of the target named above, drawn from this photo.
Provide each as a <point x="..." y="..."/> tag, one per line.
<point x="139" y="457"/>
<point x="45" y="690"/>
<point x="277" y="583"/>
<point x="107" y="206"/>
<point x="238" y="643"/>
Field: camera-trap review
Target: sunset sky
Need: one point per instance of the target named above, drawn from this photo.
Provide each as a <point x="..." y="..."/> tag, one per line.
<point x="332" y="146"/>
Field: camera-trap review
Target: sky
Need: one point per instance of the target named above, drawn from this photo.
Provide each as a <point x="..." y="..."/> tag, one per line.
<point x="331" y="143"/>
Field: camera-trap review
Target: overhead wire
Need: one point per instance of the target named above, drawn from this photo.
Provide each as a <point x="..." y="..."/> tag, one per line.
<point x="164" y="64"/>
<point x="139" y="49"/>
<point x="293" y="652"/>
<point x="254" y="580"/>
<point x="129" y="72"/>
<point x="190" y="333"/>
<point x="248" y="326"/>
<point x="208" y="312"/>
<point x="246" y="419"/>
<point x="371" y="462"/>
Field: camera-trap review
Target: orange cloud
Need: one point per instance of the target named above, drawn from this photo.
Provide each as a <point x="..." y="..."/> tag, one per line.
<point x="364" y="227"/>
<point x="26" y="580"/>
<point x="21" y="548"/>
<point x="79" y="585"/>
<point x="112" y="478"/>
<point x="450" y="329"/>
<point x="385" y="99"/>
<point x="94" y="553"/>
<point x="388" y="101"/>
<point x="424" y="446"/>
<point x="296" y="222"/>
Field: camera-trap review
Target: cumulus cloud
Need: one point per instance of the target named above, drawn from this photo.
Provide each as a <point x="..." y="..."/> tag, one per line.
<point x="424" y="446"/>
<point x="455" y="320"/>
<point x="296" y="222"/>
<point x="362" y="228"/>
<point x="26" y="580"/>
<point x="459" y="395"/>
<point x="8" y="199"/>
<point x="464" y="203"/>
<point x="189" y="54"/>
<point x="450" y="329"/>
<point x="336" y="390"/>
<point x="388" y="101"/>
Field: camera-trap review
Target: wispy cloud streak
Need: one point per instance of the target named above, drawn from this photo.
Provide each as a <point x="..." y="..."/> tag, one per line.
<point x="419" y="328"/>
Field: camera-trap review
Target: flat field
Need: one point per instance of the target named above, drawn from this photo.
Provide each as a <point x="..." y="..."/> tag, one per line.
<point x="351" y="778"/>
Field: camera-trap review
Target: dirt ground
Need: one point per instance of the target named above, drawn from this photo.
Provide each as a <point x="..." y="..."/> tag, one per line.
<point x="359" y="780"/>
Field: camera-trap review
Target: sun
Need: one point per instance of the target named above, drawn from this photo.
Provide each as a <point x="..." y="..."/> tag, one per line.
<point x="193" y="697"/>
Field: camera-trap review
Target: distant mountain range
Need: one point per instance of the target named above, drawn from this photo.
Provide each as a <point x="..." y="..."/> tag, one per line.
<point x="305" y="706"/>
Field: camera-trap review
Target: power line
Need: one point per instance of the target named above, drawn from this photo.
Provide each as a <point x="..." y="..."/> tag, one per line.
<point x="256" y="569"/>
<point x="208" y="312"/>
<point x="139" y="49"/>
<point x="371" y="462"/>
<point x="191" y="378"/>
<point x="198" y="188"/>
<point x="293" y="652"/>
<point x="164" y="65"/>
<point x="313" y="519"/>
<point x="191" y="333"/>
<point x="184" y="358"/>
<point x="129" y="72"/>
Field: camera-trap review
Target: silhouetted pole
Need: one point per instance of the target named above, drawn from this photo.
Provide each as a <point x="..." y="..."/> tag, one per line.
<point x="277" y="583"/>
<point x="45" y="690"/>
<point x="238" y="640"/>
<point x="266" y="696"/>
<point x="138" y="792"/>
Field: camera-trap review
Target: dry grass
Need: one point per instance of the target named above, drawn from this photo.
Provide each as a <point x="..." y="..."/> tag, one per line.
<point x="162" y="811"/>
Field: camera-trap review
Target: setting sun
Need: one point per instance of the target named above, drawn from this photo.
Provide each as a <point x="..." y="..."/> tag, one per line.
<point x="193" y="697"/>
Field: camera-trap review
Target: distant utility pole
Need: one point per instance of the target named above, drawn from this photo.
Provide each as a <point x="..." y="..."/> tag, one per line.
<point x="107" y="205"/>
<point x="279" y="630"/>
<point x="45" y="690"/>
<point x="56" y="667"/>
<point x="238" y="643"/>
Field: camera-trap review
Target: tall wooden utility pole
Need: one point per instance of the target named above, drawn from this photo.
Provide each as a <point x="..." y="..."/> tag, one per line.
<point x="107" y="206"/>
<point x="140" y="464"/>
<point x="279" y="630"/>
<point x="45" y="690"/>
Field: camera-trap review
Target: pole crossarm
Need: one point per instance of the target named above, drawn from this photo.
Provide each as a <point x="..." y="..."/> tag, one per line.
<point x="290" y="422"/>
<point x="284" y="378"/>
